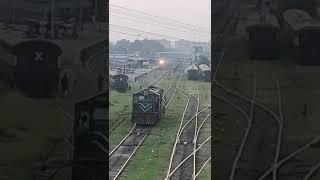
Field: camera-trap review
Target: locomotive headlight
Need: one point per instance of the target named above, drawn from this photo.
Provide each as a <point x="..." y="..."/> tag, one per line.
<point x="161" y="61"/>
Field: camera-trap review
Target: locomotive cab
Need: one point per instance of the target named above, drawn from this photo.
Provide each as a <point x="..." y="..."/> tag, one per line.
<point x="148" y="106"/>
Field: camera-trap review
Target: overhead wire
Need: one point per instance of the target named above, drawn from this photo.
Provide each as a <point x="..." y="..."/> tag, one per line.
<point x="145" y="32"/>
<point x="142" y="17"/>
<point x="163" y="18"/>
<point x="136" y="19"/>
<point x="152" y="20"/>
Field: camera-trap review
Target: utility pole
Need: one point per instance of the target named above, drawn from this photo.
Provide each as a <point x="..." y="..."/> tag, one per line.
<point x="52" y="18"/>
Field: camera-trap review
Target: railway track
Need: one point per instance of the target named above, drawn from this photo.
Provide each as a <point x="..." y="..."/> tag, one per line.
<point x="184" y="144"/>
<point x="203" y="156"/>
<point x="303" y="167"/>
<point x="151" y="78"/>
<point x="270" y="142"/>
<point x="264" y="131"/>
<point x="124" y="151"/>
<point x="181" y="166"/>
<point x="126" y="148"/>
<point x="298" y="167"/>
<point x="269" y="161"/>
<point x="171" y="90"/>
<point x="256" y="151"/>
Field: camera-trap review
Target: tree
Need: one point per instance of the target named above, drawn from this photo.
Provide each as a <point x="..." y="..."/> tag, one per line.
<point x="151" y="47"/>
<point x="122" y="46"/>
<point x="136" y="46"/>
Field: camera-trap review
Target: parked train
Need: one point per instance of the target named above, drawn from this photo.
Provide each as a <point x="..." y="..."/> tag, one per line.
<point x="193" y="72"/>
<point x="119" y="82"/>
<point x="304" y="32"/>
<point x="32" y="66"/>
<point x="199" y="72"/>
<point x="205" y="72"/>
<point x="263" y="36"/>
<point x="148" y="106"/>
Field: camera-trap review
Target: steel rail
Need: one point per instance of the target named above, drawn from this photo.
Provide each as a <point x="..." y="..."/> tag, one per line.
<point x="119" y="172"/>
<point x="171" y="173"/>
<point x="192" y="119"/>
<point x="180" y="130"/>
<point x="312" y="171"/>
<point x="278" y="148"/>
<point x="177" y="85"/>
<point x="291" y="155"/>
<point x="175" y="143"/>
<point x="202" y="167"/>
<point x="122" y="140"/>
<point x="195" y="136"/>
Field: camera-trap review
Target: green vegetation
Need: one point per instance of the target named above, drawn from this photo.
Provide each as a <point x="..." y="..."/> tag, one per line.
<point x="31" y="127"/>
<point x="120" y="108"/>
<point x="206" y="172"/>
<point x="152" y="158"/>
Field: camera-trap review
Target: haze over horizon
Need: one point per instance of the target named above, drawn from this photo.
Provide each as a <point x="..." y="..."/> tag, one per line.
<point x="126" y="24"/>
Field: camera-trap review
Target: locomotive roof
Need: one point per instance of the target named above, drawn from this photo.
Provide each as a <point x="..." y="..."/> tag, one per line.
<point x="270" y="20"/>
<point x="298" y="19"/>
<point x="204" y="67"/>
<point x="192" y="67"/>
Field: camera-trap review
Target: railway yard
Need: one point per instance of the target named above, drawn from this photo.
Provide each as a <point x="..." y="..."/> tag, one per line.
<point x="178" y="146"/>
<point x="39" y="132"/>
<point x="266" y="110"/>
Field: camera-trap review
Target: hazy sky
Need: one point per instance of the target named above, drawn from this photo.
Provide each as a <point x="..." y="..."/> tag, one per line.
<point x="195" y="12"/>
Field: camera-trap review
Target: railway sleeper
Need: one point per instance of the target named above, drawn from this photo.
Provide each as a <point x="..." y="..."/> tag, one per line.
<point x="121" y="156"/>
<point x="185" y="143"/>
<point x="141" y="131"/>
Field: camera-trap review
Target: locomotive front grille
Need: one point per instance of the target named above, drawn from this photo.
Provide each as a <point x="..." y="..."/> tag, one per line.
<point x="144" y="119"/>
